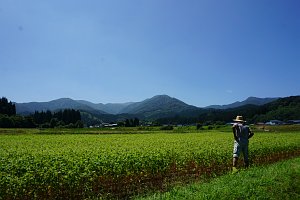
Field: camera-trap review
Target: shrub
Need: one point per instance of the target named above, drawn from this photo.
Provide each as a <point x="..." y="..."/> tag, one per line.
<point x="199" y="126"/>
<point x="165" y="128"/>
<point x="210" y="127"/>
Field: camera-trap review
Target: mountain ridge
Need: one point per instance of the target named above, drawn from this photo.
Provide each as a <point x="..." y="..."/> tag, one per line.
<point x="160" y="102"/>
<point x="159" y="106"/>
<point x="53" y="105"/>
<point x="249" y="101"/>
<point x="111" y="108"/>
<point x="162" y="105"/>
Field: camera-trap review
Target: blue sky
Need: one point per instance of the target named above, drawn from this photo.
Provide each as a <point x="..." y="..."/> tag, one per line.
<point x="202" y="52"/>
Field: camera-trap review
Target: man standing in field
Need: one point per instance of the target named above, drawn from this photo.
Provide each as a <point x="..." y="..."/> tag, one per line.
<point x="241" y="133"/>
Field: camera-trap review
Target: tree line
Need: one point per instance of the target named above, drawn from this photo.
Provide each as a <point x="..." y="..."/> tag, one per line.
<point x="9" y="119"/>
<point x="68" y="118"/>
<point x="132" y="122"/>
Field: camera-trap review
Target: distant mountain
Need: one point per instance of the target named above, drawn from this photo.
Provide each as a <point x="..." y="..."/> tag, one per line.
<point x="155" y="107"/>
<point x="158" y="106"/>
<point x="58" y="104"/>
<point x="249" y="101"/>
<point x="111" y="108"/>
<point x="285" y="109"/>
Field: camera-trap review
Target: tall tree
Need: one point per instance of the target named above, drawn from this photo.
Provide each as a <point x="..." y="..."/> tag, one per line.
<point x="7" y="108"/>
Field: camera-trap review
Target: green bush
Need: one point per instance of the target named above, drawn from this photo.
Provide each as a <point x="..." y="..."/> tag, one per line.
<point x="166" y="128"/>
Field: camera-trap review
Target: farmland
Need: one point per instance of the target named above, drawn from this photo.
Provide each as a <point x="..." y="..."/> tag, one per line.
<point x="71" y="164"/>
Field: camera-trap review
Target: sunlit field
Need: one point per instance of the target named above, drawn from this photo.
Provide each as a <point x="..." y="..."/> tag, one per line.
<point x="118" y="163"/>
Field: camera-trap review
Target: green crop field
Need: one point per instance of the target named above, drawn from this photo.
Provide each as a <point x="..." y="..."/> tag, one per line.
<point x="41" y="164"/>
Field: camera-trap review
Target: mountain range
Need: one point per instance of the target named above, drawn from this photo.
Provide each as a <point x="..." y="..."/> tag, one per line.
<point x="159" y="106"/>
<point x="249" y="101"/>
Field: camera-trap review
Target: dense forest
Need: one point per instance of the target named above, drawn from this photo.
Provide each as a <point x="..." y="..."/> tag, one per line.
<point x="67" y="118"/>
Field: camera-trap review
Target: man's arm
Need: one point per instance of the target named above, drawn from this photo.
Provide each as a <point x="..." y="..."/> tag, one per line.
<point x="234" y="127"/>
<point x="251" y="133"/>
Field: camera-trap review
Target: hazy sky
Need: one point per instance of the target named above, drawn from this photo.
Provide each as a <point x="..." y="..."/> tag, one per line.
<point x="202" y="52"/>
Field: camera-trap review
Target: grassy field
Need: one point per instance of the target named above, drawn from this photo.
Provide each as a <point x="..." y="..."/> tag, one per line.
<point x="119" y="163"/>
<point x="276" y="181"/>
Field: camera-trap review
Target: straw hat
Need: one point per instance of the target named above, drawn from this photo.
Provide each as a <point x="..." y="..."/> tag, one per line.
<point x="239" y="119"/>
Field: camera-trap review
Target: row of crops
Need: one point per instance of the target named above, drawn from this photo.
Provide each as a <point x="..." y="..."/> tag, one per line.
<point x="118" y="165"/>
